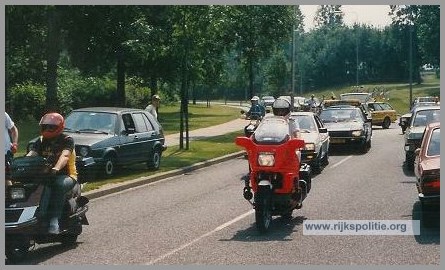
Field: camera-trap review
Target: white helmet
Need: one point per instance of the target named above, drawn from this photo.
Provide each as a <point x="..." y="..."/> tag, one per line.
<point x="281" y="107"/>
<point x="255" y="98"/>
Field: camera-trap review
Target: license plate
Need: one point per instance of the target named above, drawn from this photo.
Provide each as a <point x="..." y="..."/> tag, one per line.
<point x="336" y="140"/>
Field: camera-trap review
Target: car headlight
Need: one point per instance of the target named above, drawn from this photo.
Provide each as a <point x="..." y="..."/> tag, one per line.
<point x="266" y="159"/>
<point x="356" y="133"/>
<point x="83" y="151"/>
<point x="17" y="193"/>
<point x="309" y="146"/>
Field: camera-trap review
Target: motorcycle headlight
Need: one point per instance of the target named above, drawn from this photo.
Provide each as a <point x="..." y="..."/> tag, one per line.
<point x="83" y="151"/>
<point x="309" y="146"/>
<point x="266" y="159"/>
<point x="356" y="133"/>
<point x="17" y="193"/>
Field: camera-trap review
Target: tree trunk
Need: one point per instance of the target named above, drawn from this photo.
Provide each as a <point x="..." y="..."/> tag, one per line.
<point x="120" y="89"/>
<point x="53" y="53"/>
<point x="251" y="78"/>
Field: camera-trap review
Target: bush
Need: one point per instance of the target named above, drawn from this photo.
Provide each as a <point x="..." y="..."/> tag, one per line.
<point x="27" y="100"/>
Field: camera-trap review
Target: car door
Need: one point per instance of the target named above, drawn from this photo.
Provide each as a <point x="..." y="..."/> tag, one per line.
<point x="143" y="136"/>
<point x="376" y="112"/>
<point x="324" y="137"/>
<point x="127" y="151"/>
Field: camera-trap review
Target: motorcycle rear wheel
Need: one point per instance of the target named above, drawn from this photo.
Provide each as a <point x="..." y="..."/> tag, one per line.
<point x="263" y="213"/>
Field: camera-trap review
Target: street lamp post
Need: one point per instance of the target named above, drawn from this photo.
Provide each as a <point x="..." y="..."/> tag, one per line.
<point x="410" y="64"/>
<point x="356" y="49"/>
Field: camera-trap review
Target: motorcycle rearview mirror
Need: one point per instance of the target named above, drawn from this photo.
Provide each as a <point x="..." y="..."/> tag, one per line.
<point x="244" y="142"/>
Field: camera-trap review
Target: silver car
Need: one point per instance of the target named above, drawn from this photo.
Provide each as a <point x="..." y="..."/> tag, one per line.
<point x="316" y="138"/>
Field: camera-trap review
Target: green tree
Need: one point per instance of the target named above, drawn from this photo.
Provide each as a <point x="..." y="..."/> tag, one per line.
<point x="328" y="15"/>
<point x="256" y="31"/>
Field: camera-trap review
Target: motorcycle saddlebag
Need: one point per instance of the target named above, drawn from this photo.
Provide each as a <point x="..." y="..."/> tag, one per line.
<point x="28" y="168"/>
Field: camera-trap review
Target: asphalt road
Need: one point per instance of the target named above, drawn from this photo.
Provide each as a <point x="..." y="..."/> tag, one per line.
<point x="201" y="218"/>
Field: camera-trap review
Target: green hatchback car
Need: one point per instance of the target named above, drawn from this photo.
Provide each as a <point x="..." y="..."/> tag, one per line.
<point x="115" y="136"/>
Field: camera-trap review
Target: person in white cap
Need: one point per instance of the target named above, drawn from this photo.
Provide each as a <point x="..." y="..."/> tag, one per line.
<point x="153" y="107"/>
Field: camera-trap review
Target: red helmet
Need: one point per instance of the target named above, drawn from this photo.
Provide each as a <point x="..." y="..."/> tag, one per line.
<point x="51" y="125"/>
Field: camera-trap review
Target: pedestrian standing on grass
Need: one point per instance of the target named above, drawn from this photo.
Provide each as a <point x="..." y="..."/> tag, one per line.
<point x="153" y="106"/>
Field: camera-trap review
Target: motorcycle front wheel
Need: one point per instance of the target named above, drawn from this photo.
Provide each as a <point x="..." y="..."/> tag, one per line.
<point x="263" y="213"/>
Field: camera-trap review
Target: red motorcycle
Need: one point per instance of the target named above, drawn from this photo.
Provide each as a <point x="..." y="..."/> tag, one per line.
<point x="278" y="181"/>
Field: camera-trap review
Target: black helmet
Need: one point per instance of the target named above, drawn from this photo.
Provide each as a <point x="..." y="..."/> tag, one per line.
<point x="281" y="107"/>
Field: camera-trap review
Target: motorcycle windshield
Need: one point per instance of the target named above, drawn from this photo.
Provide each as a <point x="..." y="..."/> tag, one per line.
<point x="272" y="130"/>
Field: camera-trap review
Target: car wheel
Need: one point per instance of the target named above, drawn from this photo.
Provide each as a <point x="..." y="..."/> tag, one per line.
<point x="386" y="123"/>
<point x="409" y="161"/>
<point x="317" y="164"/>
<point x="155" y="160"/>
<point x="109" y="166"/>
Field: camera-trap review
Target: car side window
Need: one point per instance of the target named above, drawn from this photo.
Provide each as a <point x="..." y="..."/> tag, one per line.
<point x="386" y="106"/>
<point x="128" y="123"/>
<point x="151" y="122"/>
<point x="378" y="107"/>
<point x="140" y="123"/>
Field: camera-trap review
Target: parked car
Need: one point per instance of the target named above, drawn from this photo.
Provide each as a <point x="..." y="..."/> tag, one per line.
<point x="316" y="138"/>
<point x="405" y="118"/>
<point x="382" y="114"/>
<point x="347" y="125"/>
<point x="427" y="166"/>
<point x="421" y="117"/>
<point x="115" y="136"/>
<point x="362" y="97"/>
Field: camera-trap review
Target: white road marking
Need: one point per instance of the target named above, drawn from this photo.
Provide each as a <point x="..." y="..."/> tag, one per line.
<point x="340" y="162"/>
<point x="200" y="237"/>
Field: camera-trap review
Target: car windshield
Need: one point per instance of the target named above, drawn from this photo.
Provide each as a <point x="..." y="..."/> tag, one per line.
<point x="90" y="122"/>
<point x="306" y="123"/>
<point x="272" y="130"/>
<point x="335" y="115"/>
<point x="434" y="145"/>
<point x="424" y="117"/>
<point x="362" y="97"/>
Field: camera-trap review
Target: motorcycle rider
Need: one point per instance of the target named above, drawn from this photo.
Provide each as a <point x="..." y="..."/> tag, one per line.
<point x="282" y="107"/>
<point x="58" y="148"/>
<point x="256" y="109"/>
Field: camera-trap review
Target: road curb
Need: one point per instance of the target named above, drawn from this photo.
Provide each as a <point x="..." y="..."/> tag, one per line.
<point x="113" y="188"/>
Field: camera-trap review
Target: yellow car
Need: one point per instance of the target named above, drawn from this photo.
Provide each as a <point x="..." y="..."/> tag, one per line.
<point x="382" y="114"/>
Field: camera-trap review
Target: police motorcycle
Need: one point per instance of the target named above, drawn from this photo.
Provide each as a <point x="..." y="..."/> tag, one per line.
<point x="277" y="182"/>
<point x="24" y="225"/>
<point x="255" y="120"/>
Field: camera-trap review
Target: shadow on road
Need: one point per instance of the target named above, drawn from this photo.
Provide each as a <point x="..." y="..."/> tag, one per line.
<point x="280" y="229"/>
<point x="42" y="253"/>
<point x="429" y="223"/>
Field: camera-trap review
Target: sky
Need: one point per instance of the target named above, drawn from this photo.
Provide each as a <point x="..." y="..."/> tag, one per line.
<point x="376" y="15"/>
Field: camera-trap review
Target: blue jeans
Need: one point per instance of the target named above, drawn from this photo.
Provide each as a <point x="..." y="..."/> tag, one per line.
<point x="53" y="197"/>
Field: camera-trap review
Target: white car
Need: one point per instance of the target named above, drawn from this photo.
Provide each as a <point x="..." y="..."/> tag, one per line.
<point x="316" y="138"/>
